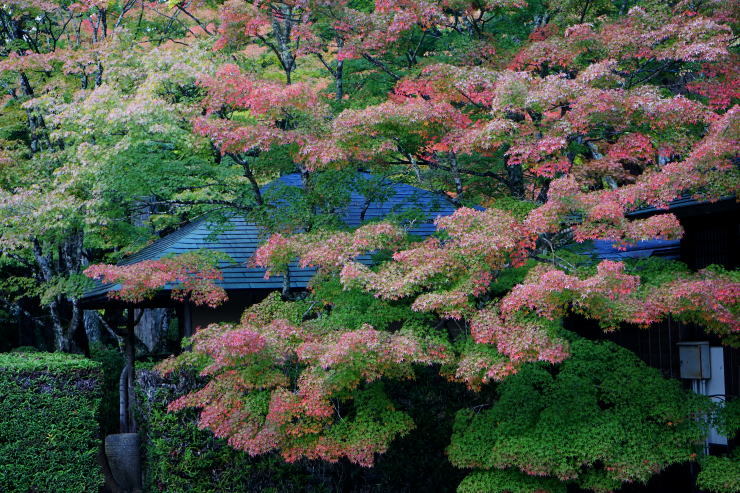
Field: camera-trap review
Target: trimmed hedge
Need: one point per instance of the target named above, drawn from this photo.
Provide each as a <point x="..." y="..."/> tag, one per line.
<point x="180" y="457"/>
<point x="49" y="430"/>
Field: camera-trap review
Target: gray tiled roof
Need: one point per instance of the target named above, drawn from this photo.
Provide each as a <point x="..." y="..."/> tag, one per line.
<point x="680" y="205"/>
<point x="239" y="238"/>
<point x="670" y="249"/>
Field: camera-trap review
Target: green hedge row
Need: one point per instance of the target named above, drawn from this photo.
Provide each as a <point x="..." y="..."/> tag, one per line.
<point x="49" y="430"/>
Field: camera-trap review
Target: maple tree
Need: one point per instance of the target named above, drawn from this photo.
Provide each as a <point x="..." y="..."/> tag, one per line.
<point x="303" y="423"/>
<point x="191" y="275"/>
<point x="574" y="124"/>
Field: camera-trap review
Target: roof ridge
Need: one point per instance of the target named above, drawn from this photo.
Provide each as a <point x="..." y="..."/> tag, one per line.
<point x="166" y="241"/>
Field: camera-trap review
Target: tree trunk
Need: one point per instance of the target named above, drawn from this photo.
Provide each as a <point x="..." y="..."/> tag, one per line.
<point x="542" y="196"/>
<point x="339" y="74"/>
<point x="36" y="124"/>
<point x="283" y="33"/>
<point x="66" y="314"/>
<point x="515" y="180"/>
<point x="457" y="200"/>
<point x="91" y="322"/>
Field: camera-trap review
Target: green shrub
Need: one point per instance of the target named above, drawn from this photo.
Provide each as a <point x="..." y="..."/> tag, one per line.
<point x="720" y="474"/>
<point x="111" y="361"/>
<point x="179" y="457"/>
<point x="599" y="419"/>
<point x="24" y="349"/>
<point x="49" y="433"/>
<point x="508" y="481"/>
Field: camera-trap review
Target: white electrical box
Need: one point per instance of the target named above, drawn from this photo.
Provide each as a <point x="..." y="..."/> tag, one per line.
<point x="695" y="360"/>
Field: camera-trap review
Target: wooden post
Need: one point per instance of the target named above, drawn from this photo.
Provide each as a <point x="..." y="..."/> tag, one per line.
<point x="126" y="381"/>
<point x="131" y="357"/>
<point x="123" y="400"/>
<point x="187" y="318"/>
<point x="285" y="293"/>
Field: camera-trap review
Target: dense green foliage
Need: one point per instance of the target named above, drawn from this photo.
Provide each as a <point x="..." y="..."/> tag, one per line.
<point x="720" y="474"/>
<point x="179" y="457"/>
<point x="586" y="421"/>
<point x="123" y="120"/>
<point x="111" y="361"/>
<point x="508" y="481"/>
<point x="49" y="436"/>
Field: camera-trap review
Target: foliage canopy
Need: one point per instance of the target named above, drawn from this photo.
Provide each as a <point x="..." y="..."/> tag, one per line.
<point x="545" y="123"/>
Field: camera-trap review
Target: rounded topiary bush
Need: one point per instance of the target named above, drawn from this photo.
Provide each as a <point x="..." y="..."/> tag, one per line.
<point x="49" y="430"/>
<point x="598" y="420"/>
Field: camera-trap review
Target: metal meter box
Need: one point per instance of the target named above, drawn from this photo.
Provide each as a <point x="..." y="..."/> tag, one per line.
<point x="695" y="360"/>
